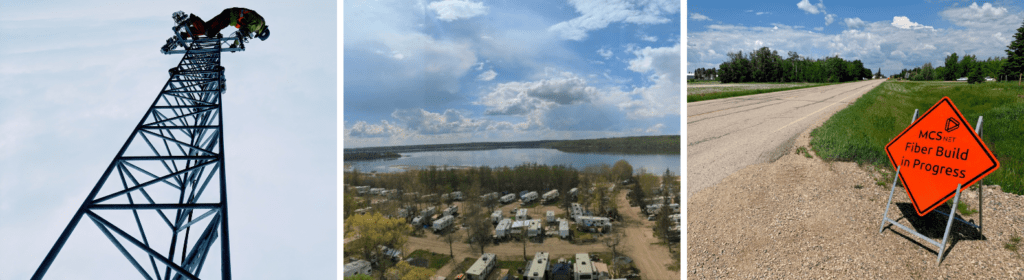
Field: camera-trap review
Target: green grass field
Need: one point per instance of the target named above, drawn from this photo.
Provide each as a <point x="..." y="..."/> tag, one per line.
<point x="742" y="89"/>
<point x="860" y="132"/>
<point x="436" y="260"/>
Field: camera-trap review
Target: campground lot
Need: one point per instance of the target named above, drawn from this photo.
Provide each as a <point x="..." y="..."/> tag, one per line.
<point x="650" y="257"/>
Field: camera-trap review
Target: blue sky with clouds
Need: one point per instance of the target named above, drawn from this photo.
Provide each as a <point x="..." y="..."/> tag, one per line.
<point x="423" y="72"/>
<point x="891" y="35"/>
<point x="78" y="75"/>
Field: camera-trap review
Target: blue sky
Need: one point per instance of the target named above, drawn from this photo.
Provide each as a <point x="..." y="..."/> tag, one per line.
<point x="424" y="72"/>
<point x="891" y="35"/>
<point x="78" y="75"/>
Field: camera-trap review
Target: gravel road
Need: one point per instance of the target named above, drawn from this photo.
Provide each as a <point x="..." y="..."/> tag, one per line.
<point x="725" y="135"/>
<point x="802" y="218"/>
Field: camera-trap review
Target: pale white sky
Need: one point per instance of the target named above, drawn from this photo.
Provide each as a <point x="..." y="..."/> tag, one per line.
<point x="76" y="76"/>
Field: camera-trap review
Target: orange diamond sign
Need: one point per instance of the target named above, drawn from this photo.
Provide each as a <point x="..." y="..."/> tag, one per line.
<point x="936" y="153"/>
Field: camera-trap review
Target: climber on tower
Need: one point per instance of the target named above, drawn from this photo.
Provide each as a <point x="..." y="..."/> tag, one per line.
<point x="248" y="22"/>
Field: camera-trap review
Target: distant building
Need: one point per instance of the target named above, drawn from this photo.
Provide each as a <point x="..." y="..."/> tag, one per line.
<point x="689" y="76"/>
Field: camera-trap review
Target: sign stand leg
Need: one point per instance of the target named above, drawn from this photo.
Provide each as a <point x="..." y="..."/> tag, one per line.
<point x="885" y="218"/>
<point x="949" y="225"/>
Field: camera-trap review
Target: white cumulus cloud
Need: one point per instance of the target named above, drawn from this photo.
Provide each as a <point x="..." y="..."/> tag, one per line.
<point x="598" y="14"/>
<point x="522" y="98"/>
<point x="425" y="122"/>
<point x="662" y="97"/>
<point x="811" y="8"/>
<point x="829" y="18"/>
<point x="905" y="23"/>
<point x="487" y="76"/>
<point x="985" y="16"/>
<point x="698" y="17"/>
<point x="854" y="22"/>
<point x="606" y="53"/>
<point x="450" y="10"/>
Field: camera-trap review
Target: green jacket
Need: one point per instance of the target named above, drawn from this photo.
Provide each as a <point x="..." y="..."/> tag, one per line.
<point x="252" y="21"/>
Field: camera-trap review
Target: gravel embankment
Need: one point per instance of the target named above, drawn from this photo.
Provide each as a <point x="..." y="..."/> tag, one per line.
<point x="802" y="218"/>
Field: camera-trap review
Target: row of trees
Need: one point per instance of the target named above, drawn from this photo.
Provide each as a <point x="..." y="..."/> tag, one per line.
<point x="766" y="65"/>
<point x="705" y="74"/>
<point x="955" y="68"/>
<point x="1010" y="67"/>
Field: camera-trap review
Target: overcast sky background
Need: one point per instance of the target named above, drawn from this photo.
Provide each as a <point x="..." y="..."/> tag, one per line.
<point x="76" y="76"/>
<point x="891" y="35"/>
<point x="424" y="72"/>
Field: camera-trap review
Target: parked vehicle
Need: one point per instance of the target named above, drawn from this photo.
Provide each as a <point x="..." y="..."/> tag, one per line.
<point x="443" y="223"/>
<point x="496" y="216"/>
<point x="549" y="196"/>
<point x="530" y="197"/>
<point x="451" y="211"/>
<point x="508" y="198"/>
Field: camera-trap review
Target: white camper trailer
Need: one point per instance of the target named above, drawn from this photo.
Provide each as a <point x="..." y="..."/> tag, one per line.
<point x="533" y="228"/>
<point x="493" y="195"/>
<point x="451" y="211"/>
<point x="549" y="196"/>
<point x="496" y="216"/>
<point x="502" y="230"/>
<point x="575" y="211"/>
<point x="551" y="216"/>
<point x="359" y="267"/>
<point x="521" y="215"/>
<point x="529" y="197"/>
<point x="482" y="267"/>
<point x="583" y="269"/>
<point x="594" y="223"/>
<point x="508" y="198"/>
<point x="573" y="192"/>
<point x="563" y="228"/>
<point x="538" y="267"/>
<point x="456" y="195"/>
<point x="362" y="189"/>
<point x="443" y="223"/>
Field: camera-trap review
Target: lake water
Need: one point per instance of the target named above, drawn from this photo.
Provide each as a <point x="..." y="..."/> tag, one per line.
<point x="511" y="157"/>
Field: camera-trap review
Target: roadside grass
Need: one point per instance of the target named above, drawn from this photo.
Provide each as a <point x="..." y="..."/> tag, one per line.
<point x="963" y="208"/>
<point x="437" y="261"/>
<point x="727" y="94"/>
<point x="696" y="81"/>
<point x="1013" y="244"/>
<point x="860" y="132"/>
<point x="803" y="151"/>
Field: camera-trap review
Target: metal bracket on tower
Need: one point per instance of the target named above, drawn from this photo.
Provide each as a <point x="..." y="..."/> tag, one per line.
<point x="170" y="176"/>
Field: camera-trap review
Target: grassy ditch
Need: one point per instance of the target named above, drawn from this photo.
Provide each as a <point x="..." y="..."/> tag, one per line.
<point x="727" y="94"/>
<point x="860" y="132"/>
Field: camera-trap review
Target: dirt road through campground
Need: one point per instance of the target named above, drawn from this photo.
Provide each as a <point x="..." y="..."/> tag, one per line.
<point x="726" y="135"/>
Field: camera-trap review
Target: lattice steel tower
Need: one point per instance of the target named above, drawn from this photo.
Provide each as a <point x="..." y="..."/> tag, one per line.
<point x="165" y="194"/>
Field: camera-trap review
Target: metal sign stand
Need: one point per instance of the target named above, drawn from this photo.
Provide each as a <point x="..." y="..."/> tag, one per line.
<point x="952" y="215"/>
